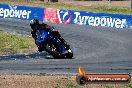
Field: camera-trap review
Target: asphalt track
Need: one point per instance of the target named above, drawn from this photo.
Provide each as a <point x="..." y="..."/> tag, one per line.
<point x="96" y="49"/>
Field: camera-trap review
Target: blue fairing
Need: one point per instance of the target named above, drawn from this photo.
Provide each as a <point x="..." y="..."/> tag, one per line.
<point x="41" y="36"/>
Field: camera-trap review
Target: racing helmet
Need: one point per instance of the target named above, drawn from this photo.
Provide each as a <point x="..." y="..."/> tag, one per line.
<point x="34" y="22"/>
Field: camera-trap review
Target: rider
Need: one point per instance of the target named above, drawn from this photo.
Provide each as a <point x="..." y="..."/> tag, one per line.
<point x="35" y="25"/>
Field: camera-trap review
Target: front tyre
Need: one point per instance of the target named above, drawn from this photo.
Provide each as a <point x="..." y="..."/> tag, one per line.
<point x="68" y="54"/>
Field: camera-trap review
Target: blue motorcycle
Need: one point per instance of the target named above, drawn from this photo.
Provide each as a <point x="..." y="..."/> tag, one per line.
<point x="53" y="43"/>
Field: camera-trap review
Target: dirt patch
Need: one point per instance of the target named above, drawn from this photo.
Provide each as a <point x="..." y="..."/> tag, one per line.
<point x="41" y="81"/>
<point x="33" y="81"/>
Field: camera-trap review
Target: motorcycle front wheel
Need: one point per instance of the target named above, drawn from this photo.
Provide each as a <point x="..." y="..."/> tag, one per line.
<point x="68" y="54"/>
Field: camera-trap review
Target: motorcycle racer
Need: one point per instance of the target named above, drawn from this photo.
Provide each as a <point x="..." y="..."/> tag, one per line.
<point x="36" y="26"/>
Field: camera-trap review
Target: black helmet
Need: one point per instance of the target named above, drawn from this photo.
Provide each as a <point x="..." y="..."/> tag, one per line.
<point x="34" y="22"/>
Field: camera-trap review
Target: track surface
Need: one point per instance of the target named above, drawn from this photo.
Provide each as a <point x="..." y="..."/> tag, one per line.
<point x="96" y="49"/>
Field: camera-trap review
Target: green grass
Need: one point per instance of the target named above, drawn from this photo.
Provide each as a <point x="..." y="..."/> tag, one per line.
<point x="108" y="86"/>
<point x="10" y="43"/>
<point x="129" y="85"/>
<point x="57" y="86"/>
<point x="72" y="7"/>
<point x="70" y="84"/>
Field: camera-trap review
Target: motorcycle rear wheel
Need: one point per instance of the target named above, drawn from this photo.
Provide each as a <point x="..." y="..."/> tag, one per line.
<point x="52" y="50"/>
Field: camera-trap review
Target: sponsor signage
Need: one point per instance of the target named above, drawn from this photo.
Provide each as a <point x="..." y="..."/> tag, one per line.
<point x="21" y="12"/>
<point x="66" y="16"/>
<point x="87" y="18"/>
<point x="84" y="78"/>
<point x="95" y="19"/>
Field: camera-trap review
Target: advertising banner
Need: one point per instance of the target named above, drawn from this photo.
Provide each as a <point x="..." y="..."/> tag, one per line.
<point x="66" y="16"/>
<point x="88" y="18"/>
<point x="94" y="19"/>
<point x="21" y="12"/>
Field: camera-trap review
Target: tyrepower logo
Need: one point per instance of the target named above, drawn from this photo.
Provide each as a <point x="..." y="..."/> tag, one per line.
<point x="67" y="17"/>
<point x="99" y="21"/>
<point x="13" y="12"/>
<point x="93" y="19"/>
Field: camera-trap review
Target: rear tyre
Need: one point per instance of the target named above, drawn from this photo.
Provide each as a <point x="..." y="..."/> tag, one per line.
<point x="53" y="50"/>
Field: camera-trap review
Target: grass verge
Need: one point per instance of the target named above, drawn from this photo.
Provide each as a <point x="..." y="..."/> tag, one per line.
<point x="70" y="6"/>
<point x="11" y="44"/>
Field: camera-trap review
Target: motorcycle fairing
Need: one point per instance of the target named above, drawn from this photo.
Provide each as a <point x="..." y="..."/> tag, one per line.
<point x="41" y="35"/>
